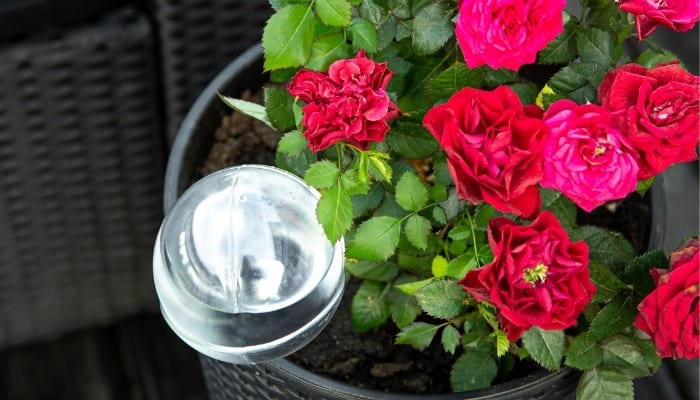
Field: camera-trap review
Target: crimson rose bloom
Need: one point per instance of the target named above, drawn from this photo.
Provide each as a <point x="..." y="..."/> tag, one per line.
<point x="670" y="313"/>
<point x="658" y="110"/>
<point x="348" y="104"/>
<point x="494" y="147"/>
<point x="537" y="278"/>
<point x="506" y="33"/>
<point x="679" y="15"/>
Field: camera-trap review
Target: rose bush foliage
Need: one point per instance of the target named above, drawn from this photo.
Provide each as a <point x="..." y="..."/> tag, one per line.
<point x="455" y="173"/>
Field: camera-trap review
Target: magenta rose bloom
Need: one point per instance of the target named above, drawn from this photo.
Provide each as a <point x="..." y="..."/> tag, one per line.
<point x="670" y="314"/>
<point x="506" y="34"/>
<point x="659" y="112"/>
<point x="348" y="104"/>
<point x="538" y="277"/>
<point x="494" y="147"/>
<point x="586" y="157"/>
<point x="679" y="15"/>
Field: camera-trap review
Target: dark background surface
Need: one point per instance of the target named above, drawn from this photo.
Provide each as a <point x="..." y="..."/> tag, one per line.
<point x="59" y="342"/>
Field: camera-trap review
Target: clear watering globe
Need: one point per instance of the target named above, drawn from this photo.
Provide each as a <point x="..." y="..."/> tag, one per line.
<point x="243" y="271"/>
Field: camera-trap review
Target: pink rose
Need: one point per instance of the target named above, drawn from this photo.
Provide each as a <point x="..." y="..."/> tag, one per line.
<point x="586" y="158"/>
<point x="679" y="15"/>
<point x="537" y="277"/>
<point x="670" y="314"/>
<point x="506" y="33"/>
<point x="493" y="146"/>
<point x="348" y="104"/>
<point x="659" y="112"/>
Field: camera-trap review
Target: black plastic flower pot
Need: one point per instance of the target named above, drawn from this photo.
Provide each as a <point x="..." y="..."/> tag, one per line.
<point x="282" y="379"/>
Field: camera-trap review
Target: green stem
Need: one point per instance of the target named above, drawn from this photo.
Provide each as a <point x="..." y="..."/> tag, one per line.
<point x="471" y="227"/>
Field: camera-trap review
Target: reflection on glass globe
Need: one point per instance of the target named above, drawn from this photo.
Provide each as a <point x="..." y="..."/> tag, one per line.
<point x="243" y="270"/>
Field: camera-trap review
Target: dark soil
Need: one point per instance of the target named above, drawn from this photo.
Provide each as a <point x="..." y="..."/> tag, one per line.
<point x="242" y="140"/>
<point x="371" y="359"/>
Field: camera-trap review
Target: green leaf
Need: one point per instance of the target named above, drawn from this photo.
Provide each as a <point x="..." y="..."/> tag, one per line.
<point x="363" y="203"/>
<point x="333" y="12"/>
<point x="278" y="108"/>
<point x="527" y="92"/>
<point x="648" y="350"/>
<point x="380" y="168"/>
<point x="450" y="339"/>
<point x="372" y="271"/>
<point x="352" y="184"/>
<point x="441" y="299"/>
<point x="288" y="36"/>
<point x="650" y="58"/>
<point x="500" y="76"/>
<point x="432" y="28"/>
<point x="562" y="49"/>
<point x="297" y="163"/>
<point x="322" y="174"/>
<point x="412" y="140"/>
<point x="439" y="216"/>
<point x="502" y="343"/>
<point x="292" y="143"/>
<point x="605" y="383"/>
<point x="452" y="206"/>
<point x="386" y="32"/>
<point x="248" y="108"/>
<point x="623" y="352"/>
<point x="371" y="11"/>
<point x="606" y="283"/>
<point x="454" y="78"/>
<point x="411" y="194"/>
<point x="326" y="50"/>
<point x="460" y="232"/>
<point x="418" y="230"/>
<point x="614" y="317"/>
<point x="545" y="347"/>
<point x="418" y="335"/>
<point x="644" y="186"/>
<point x="637" y="272"/>
<point x="595" y="46"/>
<point x="413" y="287"/>
<point x="439" y="267"/>
<point x="334" y="212"/>
<point x="473" y="370"/>
<point x="404" y="308"/>
<point x="376" y="239"/>
<point x="363" y="35"/>
<point x="482" y="216"/>
<point x="459" y="266"/>
<point x="584" y="353"/>
<point x="370" y="307"/>
<point x="549" y="196"/>
<point x="565" y="210"/>
<point x="578" y="81"/>
<point x="400" y="8"/>
<point x="607" y="248"/>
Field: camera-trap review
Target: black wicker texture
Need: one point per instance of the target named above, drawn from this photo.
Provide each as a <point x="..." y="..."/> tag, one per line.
<point x="81" y="164"/>
<point x="285" y="381"/>
<point x="198" y="39"/>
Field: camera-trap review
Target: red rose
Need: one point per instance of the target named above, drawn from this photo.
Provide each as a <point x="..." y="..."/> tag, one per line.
<point x="658" y="110"/>
<point x="537" y="278"/>
<point x="494" y="147"/>
<point x="348" y="104"/>
<point x="670" y="313"/>
<point x="679" y="15"/>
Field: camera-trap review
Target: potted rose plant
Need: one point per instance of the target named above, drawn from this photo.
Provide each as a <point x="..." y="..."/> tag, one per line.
<point x="455" y="143"/>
